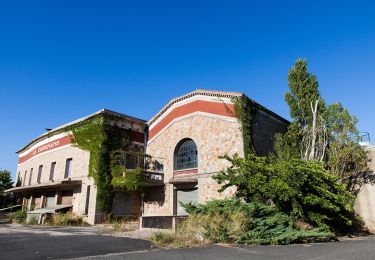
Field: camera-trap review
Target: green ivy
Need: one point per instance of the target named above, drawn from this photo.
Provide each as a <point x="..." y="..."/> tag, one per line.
<point x="105" y="142"/>
<point x="130" y="180"/>
<point x="244" y="109"/>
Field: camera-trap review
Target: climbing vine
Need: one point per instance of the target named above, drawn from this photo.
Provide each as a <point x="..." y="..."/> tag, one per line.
<point x="244" y="110"/>
<point x="107" y="144"/>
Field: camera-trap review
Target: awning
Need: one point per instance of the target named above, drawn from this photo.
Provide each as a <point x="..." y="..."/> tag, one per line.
<point x="183" y="180"/>
<point x="49" y="209"/>
<point x="52" y="184"/>
<point x="38" y="213"/>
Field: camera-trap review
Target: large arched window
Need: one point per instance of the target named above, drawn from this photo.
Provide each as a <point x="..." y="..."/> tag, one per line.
<point x="186" y="155"/>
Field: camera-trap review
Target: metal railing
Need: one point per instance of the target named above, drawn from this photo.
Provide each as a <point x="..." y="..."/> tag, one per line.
<point x="148" y="163"/>
<point x="152" y="167"/>
<point x="364" y="138"/>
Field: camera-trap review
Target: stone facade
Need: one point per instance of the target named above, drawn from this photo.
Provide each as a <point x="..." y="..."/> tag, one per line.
<point x="199" y="117"/>
<point x="214" y="137"/>
<point x="265" y="125"/>
<point x="204" y="118"/>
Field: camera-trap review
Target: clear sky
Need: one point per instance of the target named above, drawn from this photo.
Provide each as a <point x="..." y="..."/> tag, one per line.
<point x="61" y="60"/>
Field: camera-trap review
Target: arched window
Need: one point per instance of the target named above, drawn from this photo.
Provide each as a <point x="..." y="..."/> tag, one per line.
<point x="186" y="155"/>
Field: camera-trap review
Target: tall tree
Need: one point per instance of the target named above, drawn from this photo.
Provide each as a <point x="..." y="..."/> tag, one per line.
<point x="321" y="132"/>
<point x="5" y="183"/>
<point x="346" y="159"/>
<point x="304" y="90"/>
<point x="307" y="135"/>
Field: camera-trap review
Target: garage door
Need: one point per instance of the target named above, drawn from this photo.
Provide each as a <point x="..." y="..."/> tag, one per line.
<point x="186" y="196"/>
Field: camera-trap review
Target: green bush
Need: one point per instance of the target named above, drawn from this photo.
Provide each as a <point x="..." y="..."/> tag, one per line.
<point x="302" y="189"/>
<point x="32" y="221"/>
<point x="187" y="234"/>
<point x="234" y="221"/>
<point x="66" y="219"/>
<point x="20" y="216"/>
<point x="163" y="239"/>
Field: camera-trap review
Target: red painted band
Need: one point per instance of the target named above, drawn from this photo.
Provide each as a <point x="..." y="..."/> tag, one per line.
<point x="46" y="147"/>
<point x="215" y="108"/>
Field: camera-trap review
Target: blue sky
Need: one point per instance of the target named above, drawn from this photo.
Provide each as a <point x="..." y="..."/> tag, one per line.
<point x="61" y="60"/>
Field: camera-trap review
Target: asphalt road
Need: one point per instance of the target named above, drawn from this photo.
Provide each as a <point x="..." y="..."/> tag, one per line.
<point x="24" y="242"/>
<point x="353" y="250"/>
<point x="20" y="242"/>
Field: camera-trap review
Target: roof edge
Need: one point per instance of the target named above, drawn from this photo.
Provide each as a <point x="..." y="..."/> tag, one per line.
<point x="191" y="94"/>
<point x="101" y="111"/>
<point x="213" y="93"/>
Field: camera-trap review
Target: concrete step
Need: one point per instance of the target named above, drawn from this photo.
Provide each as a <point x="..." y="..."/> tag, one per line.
<point x="131" y="226"/>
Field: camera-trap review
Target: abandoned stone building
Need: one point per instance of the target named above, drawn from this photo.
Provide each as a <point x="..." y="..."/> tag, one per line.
<point x="185" y="138"/>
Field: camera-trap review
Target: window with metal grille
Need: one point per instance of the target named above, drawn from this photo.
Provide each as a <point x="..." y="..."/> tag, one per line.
<point x="186" y="155"/>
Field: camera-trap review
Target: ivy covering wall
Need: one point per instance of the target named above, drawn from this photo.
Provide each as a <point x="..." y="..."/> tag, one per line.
<point x="107" y="144"/>
<point x="244" y="110"/>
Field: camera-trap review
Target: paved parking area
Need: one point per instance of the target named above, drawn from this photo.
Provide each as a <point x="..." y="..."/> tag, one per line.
<point x="35" y="242"/>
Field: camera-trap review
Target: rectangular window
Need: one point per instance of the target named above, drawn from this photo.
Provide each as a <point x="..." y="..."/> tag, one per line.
<point x="39" y="173"/>
<point x="24" y="179"/>
<point x="30" y="176"/>
<point x="68" y="168"/>
<point x="52" y="171"/>
<point x="87" y="199"/>
<point x="18" y="183"/>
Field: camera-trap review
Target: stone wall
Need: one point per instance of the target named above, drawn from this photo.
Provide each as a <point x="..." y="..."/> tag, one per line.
<point x="214" y="137"/>
<point x="264" y="128"/>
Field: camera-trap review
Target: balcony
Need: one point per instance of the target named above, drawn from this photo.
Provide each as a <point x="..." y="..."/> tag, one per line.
<point x="153" y="167"/>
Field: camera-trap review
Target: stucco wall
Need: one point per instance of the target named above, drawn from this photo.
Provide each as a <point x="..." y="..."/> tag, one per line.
<point x="79" y="171"/>
<point x="35" y="156"/>
<point x="365" y="202"/>
<point x="214" y="136"/>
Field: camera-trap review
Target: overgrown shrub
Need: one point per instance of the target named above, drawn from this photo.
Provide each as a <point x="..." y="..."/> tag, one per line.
<point x="121" y="224"/>
<point x="20" y="216"/>
<point x="66" y="219"/>
<point x="234" y="221"/>
<point x="189" y="233"/>
<point x="302" y="189"/>
<point x="32" y="221"/>
<point x="164" y="239"/>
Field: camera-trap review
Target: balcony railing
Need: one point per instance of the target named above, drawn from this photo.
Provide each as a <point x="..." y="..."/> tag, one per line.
<point x="153" y="167"/>
<point x="364" y="139"/>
